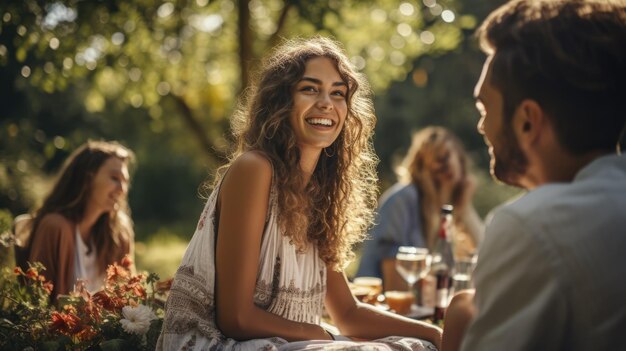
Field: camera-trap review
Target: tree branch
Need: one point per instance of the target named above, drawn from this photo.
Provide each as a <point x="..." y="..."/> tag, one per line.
<point x="280" y="24"/>
<point x="198" y="130"/>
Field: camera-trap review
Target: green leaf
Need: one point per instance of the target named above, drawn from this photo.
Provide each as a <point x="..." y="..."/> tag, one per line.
<point x="114" y="345"/>
<point x="50" y="346"/>
<point x="21" y="54"/>
<point x="153" y="333"/>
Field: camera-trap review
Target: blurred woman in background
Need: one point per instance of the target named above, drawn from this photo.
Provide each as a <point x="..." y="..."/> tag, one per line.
<point x="84" y="223"/>
<point x="434" y="172"/>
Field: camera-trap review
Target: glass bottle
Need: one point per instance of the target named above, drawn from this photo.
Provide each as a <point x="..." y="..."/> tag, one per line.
<point x="443" y="263"/>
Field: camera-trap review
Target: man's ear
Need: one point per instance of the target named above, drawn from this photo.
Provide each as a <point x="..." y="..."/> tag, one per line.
<point x="529" y="122"/>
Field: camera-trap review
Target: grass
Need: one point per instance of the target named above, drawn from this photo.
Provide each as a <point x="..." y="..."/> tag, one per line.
<point x="163" y="252"/>
<point x="160" y="254"/>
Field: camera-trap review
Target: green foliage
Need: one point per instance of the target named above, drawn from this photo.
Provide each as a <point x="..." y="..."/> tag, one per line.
<point x="125" y="315"/>
<point x="6" y="218"/>
<point x="162" y="77"/>
<point x="6" y="242"/>
<point x="162" y="252"/>
<point x="24" y="310"/>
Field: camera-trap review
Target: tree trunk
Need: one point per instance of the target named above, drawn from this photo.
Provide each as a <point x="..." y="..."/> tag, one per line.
<point x="245" y="42"/>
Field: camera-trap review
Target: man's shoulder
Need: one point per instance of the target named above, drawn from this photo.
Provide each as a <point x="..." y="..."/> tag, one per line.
<point x="600" y="185"/>
<point x="536" y="201"/>
<point x="559" y="212"/>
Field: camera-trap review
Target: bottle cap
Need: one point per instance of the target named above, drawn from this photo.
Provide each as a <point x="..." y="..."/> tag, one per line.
<point x="447" y="209"/>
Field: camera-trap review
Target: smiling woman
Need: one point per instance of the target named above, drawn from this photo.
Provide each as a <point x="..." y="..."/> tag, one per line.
<point x="276" y="232"/>
<point x="319" y="106"/>
<point x="83" y="225"/>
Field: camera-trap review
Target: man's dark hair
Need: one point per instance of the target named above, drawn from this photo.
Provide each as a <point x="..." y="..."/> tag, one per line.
<point x="570" y="57"/>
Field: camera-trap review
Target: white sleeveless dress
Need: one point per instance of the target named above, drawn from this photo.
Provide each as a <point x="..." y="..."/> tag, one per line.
<point x="289" y="284"/>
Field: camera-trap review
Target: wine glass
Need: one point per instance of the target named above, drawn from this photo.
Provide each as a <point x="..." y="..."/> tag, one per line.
<point x="463" y="270"/>
<point x="413" y="263"/>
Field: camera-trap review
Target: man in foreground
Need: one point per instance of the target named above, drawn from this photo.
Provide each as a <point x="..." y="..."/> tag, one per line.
<point x="551" y="273"/>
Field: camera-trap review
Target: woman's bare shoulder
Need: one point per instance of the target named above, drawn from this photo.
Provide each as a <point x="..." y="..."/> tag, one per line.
<point x="249" y="174"/>
<point x="253" y="164"/>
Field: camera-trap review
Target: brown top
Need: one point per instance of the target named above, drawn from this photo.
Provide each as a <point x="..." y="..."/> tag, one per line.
<point x="54" y="245"/>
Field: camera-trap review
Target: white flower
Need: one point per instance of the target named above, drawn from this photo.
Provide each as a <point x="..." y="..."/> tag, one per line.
<point x="137" y="319"/>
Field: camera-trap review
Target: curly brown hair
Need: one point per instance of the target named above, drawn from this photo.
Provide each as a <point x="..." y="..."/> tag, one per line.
<point x="113" y="230"/>
<point x="334" y="210"/>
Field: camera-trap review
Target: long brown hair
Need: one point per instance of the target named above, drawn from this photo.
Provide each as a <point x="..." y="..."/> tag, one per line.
<point x="113" y="230"/>
<point x="427" y="140"/>
<point x="336" y="207"/>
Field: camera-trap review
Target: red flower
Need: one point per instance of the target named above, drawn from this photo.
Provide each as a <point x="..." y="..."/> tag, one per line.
<point x="164" y="286"/>
<point x="18" y="271"/>
<point x="80" y="290"/>
<point x="92" y="310"/>
<point x="134" y="280"/>
<point x="138" y="291"/>
<point x="116" y="273"/>
<point x="32" y="273"/>
<point x="101" y="298"/>
<point x="48" y="286"/>
<point x="87" y="334"/>
<point x="127" y="262"/>
<point x="66" y="323"/>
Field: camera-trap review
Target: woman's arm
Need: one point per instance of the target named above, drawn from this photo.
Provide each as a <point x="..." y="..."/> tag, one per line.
<point x="473" y="224"/>
<point x="359" y="320"/>
<point x="54" y="245"/>
<point x="466" y="213"/>
<point x="243" y="206"/>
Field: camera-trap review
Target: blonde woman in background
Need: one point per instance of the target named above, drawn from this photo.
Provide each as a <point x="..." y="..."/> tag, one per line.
<point x="434" y="172"/>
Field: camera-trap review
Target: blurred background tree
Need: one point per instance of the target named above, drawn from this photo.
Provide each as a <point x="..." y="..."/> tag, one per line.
<point x="163" y="77"/>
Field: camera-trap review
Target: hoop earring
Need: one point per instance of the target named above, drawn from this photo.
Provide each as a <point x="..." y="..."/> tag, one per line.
<point x="326" y="152"/>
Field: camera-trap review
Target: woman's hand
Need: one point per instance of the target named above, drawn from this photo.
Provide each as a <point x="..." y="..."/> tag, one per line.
<point x="466" y="214"/>
<point x="361" y="321"/>
<point x="430" y="203"/>
<point x="468" y="188"/>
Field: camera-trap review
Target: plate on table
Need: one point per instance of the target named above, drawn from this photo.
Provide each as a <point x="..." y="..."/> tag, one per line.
<point x="416" y="312"/>
<point x="420" y="312"/>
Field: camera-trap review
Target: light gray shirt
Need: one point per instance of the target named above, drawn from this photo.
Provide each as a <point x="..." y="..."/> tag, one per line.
<point x="551" y="273"/>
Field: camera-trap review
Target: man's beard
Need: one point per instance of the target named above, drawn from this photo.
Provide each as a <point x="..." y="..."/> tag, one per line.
<point x="509" y="163"/>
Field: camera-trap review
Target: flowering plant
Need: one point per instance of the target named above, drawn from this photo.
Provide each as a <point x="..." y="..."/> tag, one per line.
<point x="125" y="315"/>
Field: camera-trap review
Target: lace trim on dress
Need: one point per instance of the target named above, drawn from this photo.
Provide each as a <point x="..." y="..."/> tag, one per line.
<point x="190" y="305"/>
<point x="299" y="305"/>
<point x="290" y="302"/>
<point x="264" y="293"/>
